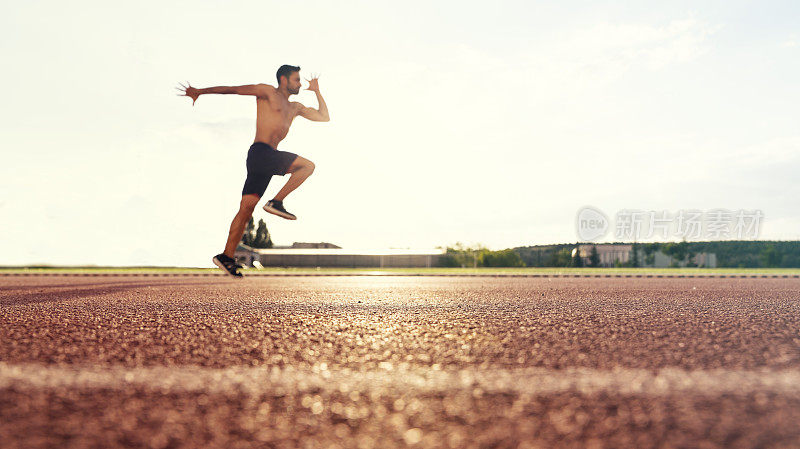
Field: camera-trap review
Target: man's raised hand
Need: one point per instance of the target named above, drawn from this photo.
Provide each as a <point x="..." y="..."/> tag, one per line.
<point x="313" y="84"/>
<point x="189" y="91"/>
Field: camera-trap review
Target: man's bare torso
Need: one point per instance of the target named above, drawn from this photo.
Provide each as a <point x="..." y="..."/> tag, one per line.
<point x="274" y="116"/>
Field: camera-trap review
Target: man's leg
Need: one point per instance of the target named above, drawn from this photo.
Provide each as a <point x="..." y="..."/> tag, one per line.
<point x="246" y="208"/>
<point x="300" y="169"/>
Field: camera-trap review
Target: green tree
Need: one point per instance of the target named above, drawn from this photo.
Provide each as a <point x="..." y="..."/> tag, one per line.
<point x="562" y="258"/>
<point x="479" y="256"/>
<point x="502" y="258"/>
<point x="650" y="252"/>
<point x="594" y="257"/>
<point x="690" y="255"/>
<point x="576" y="258"/>
<point x="634" y="260"/>
<point x="678" y="251"/>
<point x="770" y="257"/>
<point x="262" y="238"/>
<point x="460" y="255"/>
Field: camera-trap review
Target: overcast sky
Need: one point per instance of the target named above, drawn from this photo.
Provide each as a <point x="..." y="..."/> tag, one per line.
<point x="479" y="122"/>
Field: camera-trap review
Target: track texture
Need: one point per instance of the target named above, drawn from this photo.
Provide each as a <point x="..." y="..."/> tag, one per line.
<point x="381" y="362"/>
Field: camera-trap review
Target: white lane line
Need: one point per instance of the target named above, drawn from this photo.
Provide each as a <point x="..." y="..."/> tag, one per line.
<point x="477" y="275"/>
<point x="527" y="381"/>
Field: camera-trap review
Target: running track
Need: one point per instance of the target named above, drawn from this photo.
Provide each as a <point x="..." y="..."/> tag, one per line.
<point x="399" y="361"/>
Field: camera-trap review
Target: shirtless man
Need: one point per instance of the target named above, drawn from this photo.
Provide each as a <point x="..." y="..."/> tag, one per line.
<point x="274" y="117"/>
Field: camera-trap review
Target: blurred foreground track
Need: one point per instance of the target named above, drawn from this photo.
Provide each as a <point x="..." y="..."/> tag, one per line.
<point x="361" y="361"/>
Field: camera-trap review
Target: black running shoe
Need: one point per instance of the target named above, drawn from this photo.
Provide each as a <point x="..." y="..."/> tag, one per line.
<point x="276" y="207"/>
<point x="227" y="265"/>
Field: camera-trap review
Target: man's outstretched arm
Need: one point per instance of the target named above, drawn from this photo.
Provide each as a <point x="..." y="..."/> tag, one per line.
<point x="259" y="90"/>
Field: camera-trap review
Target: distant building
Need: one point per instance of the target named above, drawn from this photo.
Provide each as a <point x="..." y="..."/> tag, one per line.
<point x="308" y="245"/>
<point x="611" y="253"/>
<point x="329" y="255"/>
<point x="608" y="254"/>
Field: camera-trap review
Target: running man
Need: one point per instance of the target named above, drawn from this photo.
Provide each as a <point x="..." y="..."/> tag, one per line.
<point x="274" y="115"/>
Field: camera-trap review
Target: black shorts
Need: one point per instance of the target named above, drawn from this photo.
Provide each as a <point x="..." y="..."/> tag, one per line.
<point x="263" y="161"/>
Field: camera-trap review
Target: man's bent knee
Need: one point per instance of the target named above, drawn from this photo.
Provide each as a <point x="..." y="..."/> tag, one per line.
<point x="301" y="163"/>
<point x="308" y="166"/>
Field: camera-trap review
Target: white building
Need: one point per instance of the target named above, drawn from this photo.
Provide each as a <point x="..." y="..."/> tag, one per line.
<point x="303" y="256"/>
<point x="611" y="253"/>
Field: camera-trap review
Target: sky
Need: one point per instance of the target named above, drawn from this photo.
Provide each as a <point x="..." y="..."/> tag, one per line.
<point x="482" y="123"/>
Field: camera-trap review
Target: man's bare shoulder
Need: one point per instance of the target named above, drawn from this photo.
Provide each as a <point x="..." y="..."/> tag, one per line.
<point x="266" y="90"/>
<point x="297" y="106"/>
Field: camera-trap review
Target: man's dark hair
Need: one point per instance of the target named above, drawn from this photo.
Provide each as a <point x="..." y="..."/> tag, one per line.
<point x="286" y="70"/>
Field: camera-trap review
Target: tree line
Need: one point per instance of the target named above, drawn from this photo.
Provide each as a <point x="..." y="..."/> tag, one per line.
<point x="463" y="256"/>
<point x="729" y="253"/>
